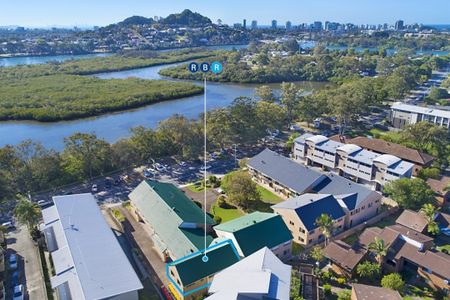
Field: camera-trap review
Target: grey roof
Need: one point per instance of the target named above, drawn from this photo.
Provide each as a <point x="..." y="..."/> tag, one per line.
<point x="309" y="207"/>
<point x="261" y="273"/>
<point x="364" y="156"/>
<point x="352" y="194"/>
<point x="285" y="171"/>
<point x="89" y="261"/>
<point x="387" y="159"/>
<point x="301" y="139"/>
<point x="349" y="148"/>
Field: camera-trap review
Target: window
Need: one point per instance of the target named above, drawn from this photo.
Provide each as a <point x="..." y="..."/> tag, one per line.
<point x="362" y="207"/>
<point x="171" y="273"/>
<point x="290" y="222"/>
<point x="301" y="239"/>
<point x="311" y="232"/>
<point x="302" y="230"/>
<point x="285" y="252"/>
<point x="178" y="281"/>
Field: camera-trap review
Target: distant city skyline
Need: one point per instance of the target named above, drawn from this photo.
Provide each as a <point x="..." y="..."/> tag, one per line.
<point x="45" y="13"/>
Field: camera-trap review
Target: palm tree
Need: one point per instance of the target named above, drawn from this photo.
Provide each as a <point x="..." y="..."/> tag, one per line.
<point x="379" y="248"/>
<point x="430" y="211"/>
<point x="27" y="212"/>
<point x="325" y="224"/>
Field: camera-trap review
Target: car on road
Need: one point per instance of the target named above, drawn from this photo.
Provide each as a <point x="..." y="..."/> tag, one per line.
<point x="160" y="167"/>
<point x="203" y="168"/>
<point x="108" y="184"/>
<point x="13" y="261"/>
<point x="183" y="164"/>
<point x="94" y="188"/>
<point x="18" y="292"/>
<point x="8" y="225"/>
<point x="44" y="203"/>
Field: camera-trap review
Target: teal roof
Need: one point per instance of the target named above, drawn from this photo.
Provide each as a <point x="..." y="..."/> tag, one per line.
<point x="168" y="210"/>
<point x="184" y="207"/>
<point x="257" y="230"/>
<point x="194" y="269"/>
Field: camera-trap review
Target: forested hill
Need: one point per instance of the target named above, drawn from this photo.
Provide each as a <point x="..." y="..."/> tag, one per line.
<point x="186" y="18"/>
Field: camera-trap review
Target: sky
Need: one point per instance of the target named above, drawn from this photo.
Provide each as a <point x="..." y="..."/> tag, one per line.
<point x="38" y="13"/>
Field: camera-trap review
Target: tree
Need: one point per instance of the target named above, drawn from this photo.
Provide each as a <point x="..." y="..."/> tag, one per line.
<point x="429" y="210"/>
<point x="263" y="59"/>
<point x="409" y="193"/>
<point x="368" y="269"/>
<point x="241" y="189"/>
<point x="325" y="223"/>
<point x="393" y="281"/>
<point x="27" y="213"/>
<point x="317" y="254"/>
<point x="291" y="140"/>
<point x="290" y="96"/>
<point x="426" y="137"/>
<point x="379" y="248"/>
<point x="270" y="115"/>
<point x="311" y="107"/>
<point x="426" y="173"/>
<point x="291" y="45"/>
<point x="265" y="93"/>
<point x="219" y="131"/>
<point x="86" y="156"/>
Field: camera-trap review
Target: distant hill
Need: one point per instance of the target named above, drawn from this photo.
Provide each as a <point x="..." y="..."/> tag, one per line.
<point x="136" y="20"/>
<point x="186" y="18"/>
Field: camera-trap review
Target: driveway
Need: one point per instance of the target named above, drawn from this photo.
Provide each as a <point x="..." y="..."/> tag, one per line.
<point x="19" y="242"/>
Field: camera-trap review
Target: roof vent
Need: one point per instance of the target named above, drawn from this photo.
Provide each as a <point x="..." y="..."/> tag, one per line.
<point x="263" y="162"/>
<point x="254" y="221"/>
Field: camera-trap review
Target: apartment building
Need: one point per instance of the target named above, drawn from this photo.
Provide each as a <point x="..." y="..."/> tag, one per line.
<point x="350" y="160"/>
<point x="290" y="179"/>
<point x="405" y="114"/>
<point x="88" y="261"/>
<point x="300" y="215"/>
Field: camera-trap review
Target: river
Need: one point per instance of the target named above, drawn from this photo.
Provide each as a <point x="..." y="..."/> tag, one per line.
<point x="114" y="126"/>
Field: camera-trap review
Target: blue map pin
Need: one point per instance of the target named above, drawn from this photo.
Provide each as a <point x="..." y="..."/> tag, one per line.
<point x="204" y="67"/>
<point x="216" y="67"/>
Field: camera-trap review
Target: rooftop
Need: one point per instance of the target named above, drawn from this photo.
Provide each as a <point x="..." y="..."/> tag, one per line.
<point x="261" y="273"/>
<point x="193" y="268"/>
<point x="413" y="220"/>
<point x="86" y="246"/>
<point x="257" y="230"/>
<point x="285" y="171"/>
<point x="384" y="147"/>
<point x="421" y="110"/>
<point x="368" y="292"/>
<point x="344" y="255"/>
<point x="309" y="207"/>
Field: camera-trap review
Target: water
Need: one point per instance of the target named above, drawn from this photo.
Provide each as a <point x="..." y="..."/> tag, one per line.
<point x="112" y="127"/>
<point x="33" y="60"/>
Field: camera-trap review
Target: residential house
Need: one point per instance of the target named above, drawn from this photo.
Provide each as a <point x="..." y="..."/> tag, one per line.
<point x="300" y="215"/>
<point x="257" y="230"/>
<point x="259" y="276"/>
<point x="344" y="258"/>
<point x="192" y="275"/>
<point x="416" y="157"/>
<point x="88" y="261"/>
<point x="350" y="160"/>
<point x="290" y="179"/>
<point x="369" y="292"/>
<point x="402" y="114"/>
<point x="417" y="221"/>
<point x="175" y="222"/>
<point x="440" y="188"/>
<point x="411" y="250"/>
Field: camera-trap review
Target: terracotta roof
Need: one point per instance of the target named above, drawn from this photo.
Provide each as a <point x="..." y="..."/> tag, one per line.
<point x="369" y="292"/>
<point x="380" y="146"/>
<point x="386" y="234"/>
<point x="439" y="186"/>
<point x="344" y="255"/>
<point x="413" y="220"/>
<point x="412" y="234"/>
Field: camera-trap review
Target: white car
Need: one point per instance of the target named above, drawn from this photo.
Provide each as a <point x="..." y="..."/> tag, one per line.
<point x="159" y="167"/>
<point x="94" y="188"/>
<point x="18" y="292"/>
<point x="203" y="168"/>
<point x="13" y="261"/>
<point x="8" y="225"/>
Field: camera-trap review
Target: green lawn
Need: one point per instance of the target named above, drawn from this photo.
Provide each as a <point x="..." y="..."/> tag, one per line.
<point x="267" y="196"/>
<point x="197" y="187"/>
<point x="226" y="214"/>
<point x="444" y="247"/>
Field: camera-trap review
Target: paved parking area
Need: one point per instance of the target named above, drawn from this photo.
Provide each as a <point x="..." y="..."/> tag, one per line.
<point x="19" y="242"/>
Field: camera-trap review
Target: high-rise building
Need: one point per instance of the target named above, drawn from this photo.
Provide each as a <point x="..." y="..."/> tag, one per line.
<point x="274" y="24"/>
<point x="244" y="24"/>
<point x="399" y="25"/>
<point x="317" y="26"/>
<point x="254" y="24"/>
<point x="288" y="25"/>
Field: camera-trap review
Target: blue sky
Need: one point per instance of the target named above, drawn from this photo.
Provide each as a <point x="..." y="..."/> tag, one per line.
<point x="102" y="12"/>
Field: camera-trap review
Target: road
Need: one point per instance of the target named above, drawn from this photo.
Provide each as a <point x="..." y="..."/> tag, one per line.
<point x="19" y="242"/>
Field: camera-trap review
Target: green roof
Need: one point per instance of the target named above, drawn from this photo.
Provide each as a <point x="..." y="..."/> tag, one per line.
<point x="184" y="207"/>
<point x="168" y="210"/>
<point x="194" y="269"/>
<point x="257" y="230"/>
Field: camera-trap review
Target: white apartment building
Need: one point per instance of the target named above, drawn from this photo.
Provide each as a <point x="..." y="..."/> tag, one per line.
<point x="350" y="160"/>
<point x="404" y="114"/>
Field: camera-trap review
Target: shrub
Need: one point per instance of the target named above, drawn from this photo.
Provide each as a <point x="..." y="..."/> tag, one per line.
<point x="327" y="289"/>
<point x="217" y="219"/>
<point x="222" y="202"/>
<point x="344" y="295"/>
<point x="341" y="280"/>
<point x="393" y="281"/>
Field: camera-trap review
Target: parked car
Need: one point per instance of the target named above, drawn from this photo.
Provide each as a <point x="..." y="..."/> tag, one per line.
<point x="15" y="278"/>
<point x="203" y="168"/>
<point x="147" y="173"/>
<point x="94" y="188"/>
<point x="159" y="167"/>
<point x="13" y="261"/>
<point x="44" y="203"/>
<point x="108" y="184"/>
<point x="18" y="292"/>
<point x="9" y="225"/>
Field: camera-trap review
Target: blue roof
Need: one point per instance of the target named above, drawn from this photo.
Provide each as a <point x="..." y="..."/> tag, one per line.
<point x="285" y="171"/>
<point x="309" y="207"/>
